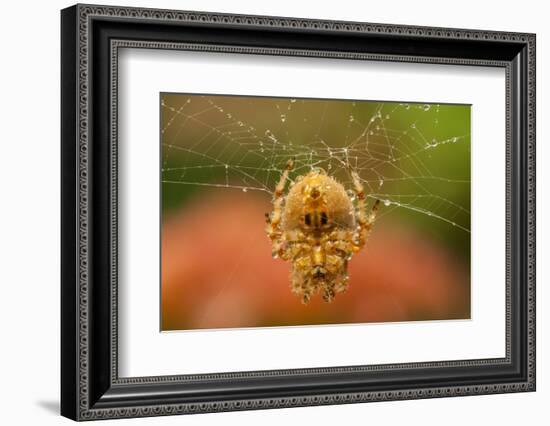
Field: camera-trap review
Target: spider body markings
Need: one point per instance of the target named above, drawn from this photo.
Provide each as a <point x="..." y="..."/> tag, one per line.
<point x="318" y="228"/>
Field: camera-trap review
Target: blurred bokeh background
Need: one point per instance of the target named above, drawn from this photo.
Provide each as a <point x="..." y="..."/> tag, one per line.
<point x="221" y="159"/>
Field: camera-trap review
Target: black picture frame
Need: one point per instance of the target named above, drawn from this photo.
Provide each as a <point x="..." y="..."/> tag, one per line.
<point x="90" y="38"/>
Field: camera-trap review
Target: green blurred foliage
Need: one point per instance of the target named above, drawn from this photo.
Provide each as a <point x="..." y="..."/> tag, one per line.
<point x="414" y="156"/>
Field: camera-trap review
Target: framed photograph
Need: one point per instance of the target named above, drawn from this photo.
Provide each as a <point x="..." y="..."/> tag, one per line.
<point x="263" y="212"/>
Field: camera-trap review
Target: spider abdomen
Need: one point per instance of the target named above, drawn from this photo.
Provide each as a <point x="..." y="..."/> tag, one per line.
<point x="318" y="228"/>
<point x="317" y="202"/>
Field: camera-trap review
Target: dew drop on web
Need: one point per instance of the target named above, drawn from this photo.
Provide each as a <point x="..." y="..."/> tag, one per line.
<point x="230" y="141"/>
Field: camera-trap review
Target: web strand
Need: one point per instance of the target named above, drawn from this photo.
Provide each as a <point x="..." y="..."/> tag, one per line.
<point x="223" y="142"/>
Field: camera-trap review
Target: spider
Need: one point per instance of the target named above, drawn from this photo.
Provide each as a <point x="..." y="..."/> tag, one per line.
<point x="317" y="227"/>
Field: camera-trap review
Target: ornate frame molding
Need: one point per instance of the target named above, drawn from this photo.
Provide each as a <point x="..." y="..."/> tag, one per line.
<point x="78" y="23"/>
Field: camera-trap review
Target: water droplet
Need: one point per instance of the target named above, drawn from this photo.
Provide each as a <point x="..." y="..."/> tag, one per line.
<point x="371" y="133"/>
<point x="283" y="118"/>
<point x="292" y="101"/>
<point x="351" y="194"/>
<point x="377" y="127"/>
<point x="387" y="202"/>
<point x="271" y="136"/>
<point x="413" y="126"/>
<point x="226" y="166"/>
<point x="454" y="139"/>
<point x="407" y="106"/>
<point x="275" y="255"/>
<point x="426" y="107"/>
<point x="228" y="116"/>
<point x="387" y="116"/>
<point x="245" y="189"/>
<point x="240" y="123"/>
<point x="380" y="183"/>
<point x="351" y="118"/>
<point x="329" y="166"/>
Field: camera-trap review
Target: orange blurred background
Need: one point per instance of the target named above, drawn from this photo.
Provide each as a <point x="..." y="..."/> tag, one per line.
<point x="217" y="272"/>
<point x="221" y="159"/>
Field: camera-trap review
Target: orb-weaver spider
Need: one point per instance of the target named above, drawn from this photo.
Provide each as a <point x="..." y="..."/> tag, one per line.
<point x="318" y="228"/>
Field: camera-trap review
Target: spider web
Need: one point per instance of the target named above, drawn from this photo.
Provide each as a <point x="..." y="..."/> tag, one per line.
<point x="402" y="152"/>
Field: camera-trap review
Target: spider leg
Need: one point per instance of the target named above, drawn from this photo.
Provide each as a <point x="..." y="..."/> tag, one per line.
<point x="337" y="266"/>
<point x="342" y="284"/>
<point x="302" y="286"/>
<point x="365" y="222"/>
<point x="328" y="294"/>
<point x="295" y="249"/>
<point x="274" y="220"/>
<point x="343" y="248"/>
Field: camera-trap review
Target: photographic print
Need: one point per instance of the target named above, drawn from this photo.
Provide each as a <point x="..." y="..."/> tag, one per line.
<point x="356" y="192"/>
<point x="288" y="211"/>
